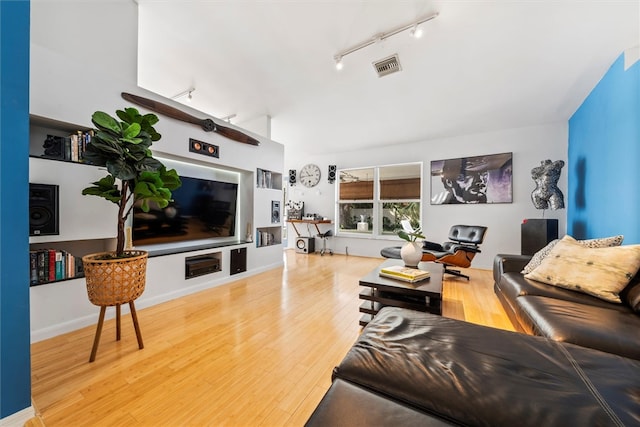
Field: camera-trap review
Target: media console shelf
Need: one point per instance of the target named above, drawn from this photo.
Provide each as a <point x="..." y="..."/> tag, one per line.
<point x="200" y="265"/>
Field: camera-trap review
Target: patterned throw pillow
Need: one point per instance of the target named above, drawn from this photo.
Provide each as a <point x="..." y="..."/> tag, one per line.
<point x="601" y="272"/>
<point x="604" y="242"/>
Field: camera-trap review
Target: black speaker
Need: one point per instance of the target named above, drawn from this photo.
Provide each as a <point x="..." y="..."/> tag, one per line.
<point x="292" y="176"/>
<point x="43" y="210"/>
<point x="332" y="174"/>
<point x="205" y="148"/>
<point x="536" y="234"/>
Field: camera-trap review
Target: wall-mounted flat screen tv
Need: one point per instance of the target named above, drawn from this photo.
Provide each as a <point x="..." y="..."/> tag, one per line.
<point x="201" y="209"/>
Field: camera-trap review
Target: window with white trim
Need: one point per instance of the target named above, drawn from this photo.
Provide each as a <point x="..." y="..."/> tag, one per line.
<point x="372" y="201"/>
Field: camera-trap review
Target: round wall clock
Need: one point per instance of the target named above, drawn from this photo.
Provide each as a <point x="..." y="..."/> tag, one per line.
<point x="309" y="175"/>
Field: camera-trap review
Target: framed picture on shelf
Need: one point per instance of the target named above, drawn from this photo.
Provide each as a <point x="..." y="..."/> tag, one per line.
<point x="275" y="211"/>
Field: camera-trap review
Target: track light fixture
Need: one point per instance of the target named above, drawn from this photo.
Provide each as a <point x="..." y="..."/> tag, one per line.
<point x="228" y="118"/>
<point x="416" y="31"/>
<point x="414" y="28"/>
<point x="187" y="93"/>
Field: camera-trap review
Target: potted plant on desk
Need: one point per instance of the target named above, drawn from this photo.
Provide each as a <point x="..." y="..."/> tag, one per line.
<point x="135" y="178"/>
<point x="411" y="252"/>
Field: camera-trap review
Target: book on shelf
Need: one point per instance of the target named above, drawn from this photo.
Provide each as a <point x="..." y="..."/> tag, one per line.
<point x="264" y="238"/>
<point x="50" y="265"/>
<point x="70" y="147"/>
<point x="406" y="274"/>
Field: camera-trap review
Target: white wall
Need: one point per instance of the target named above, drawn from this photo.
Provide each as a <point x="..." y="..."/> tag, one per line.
<point x="529" y="146"/>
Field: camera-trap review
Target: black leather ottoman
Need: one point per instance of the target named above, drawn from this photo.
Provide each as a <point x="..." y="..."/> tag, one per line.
<point x="473" y="375"/>
<point x="391" y="252"/>
<point x="349" y="405"/>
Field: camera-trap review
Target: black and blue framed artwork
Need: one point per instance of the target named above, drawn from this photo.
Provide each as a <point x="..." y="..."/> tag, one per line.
<point x="472" y="180"/>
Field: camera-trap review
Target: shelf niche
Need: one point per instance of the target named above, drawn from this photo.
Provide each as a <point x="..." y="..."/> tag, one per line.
<point x="268" y="236"/>
<point x="67" y="140"/>
<point x="76" y="248"/>
<point x="268" y="179"/>
<point x="195" y="266"/>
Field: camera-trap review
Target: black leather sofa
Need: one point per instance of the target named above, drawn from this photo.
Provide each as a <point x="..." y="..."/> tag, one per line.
<point x="414" y="368"/>
<point x="566" y="315"/>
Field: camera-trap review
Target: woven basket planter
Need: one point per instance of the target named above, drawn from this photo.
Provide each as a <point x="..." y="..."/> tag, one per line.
<point x="115" y="281"/>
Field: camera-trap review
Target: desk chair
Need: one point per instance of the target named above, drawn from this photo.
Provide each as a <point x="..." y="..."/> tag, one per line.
<point x="325" y="236"/>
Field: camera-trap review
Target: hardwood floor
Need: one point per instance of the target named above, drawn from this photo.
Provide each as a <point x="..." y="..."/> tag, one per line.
<point x="258" y="351"/>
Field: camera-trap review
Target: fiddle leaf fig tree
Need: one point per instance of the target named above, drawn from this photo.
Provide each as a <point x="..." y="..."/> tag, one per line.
<point x="135" y="177"/>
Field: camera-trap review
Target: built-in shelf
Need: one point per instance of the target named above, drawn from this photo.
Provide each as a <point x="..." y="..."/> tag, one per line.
<point x="55" y="159"/>
<point x="195" y="266"/>
<point x="86" y="228"/>
<point x="268" y="236"/>
<point x="55" y="140"/>
<point x="63" y="256"/>
<point x="52" y="266"/>
<point x="268" y="179"/>
<point x="162" y="250"/>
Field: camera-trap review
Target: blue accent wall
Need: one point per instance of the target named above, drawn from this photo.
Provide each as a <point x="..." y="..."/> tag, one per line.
<point x="604" y="158"/>
<point x="15" y="361"/>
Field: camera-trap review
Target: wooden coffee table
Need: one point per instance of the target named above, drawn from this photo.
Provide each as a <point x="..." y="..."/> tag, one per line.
<point x="379" y="292"/>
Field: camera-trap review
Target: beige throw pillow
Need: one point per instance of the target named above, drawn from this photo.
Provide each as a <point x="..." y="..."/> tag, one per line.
<point x="601" y="272"/>
<point x="604" y="242"/>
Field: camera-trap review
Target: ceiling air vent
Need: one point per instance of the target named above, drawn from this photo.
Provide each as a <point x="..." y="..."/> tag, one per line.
<point x="387" y="65"/>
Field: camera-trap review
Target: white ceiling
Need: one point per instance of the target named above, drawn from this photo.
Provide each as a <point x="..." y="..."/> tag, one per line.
<point x="480" y="66"/>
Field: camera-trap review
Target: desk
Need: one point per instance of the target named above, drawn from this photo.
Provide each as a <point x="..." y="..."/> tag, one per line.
<point x="315" y="222"/>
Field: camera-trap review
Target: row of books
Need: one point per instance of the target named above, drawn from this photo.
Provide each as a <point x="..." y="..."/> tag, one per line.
<point x="70" y="147"/>
<point x="264" y="238"/>
<point x="264" y="179"/>
<point x="49" y="265"/>
<point x="406" y="274"/>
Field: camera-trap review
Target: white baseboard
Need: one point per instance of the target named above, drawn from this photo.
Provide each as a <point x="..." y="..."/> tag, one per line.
<point x="19" y="418"/>
<point x="63" y="328"/>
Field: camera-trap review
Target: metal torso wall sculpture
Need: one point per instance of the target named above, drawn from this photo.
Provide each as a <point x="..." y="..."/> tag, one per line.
<point x="547" y="195"/>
